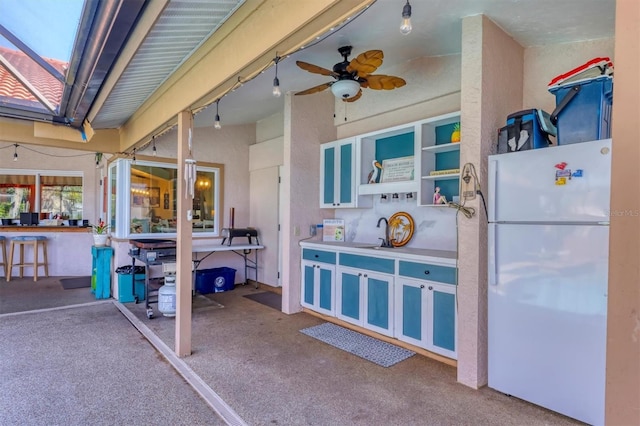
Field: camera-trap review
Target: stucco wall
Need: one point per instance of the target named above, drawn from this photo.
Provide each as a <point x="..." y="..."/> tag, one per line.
<point x="622" y="405"/>
<point x="308" y="122"/>
<point x="270" y="128"/>
<point x="492" y="79"/>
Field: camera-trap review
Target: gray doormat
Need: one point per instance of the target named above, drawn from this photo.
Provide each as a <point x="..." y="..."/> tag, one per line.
<point x="75" y="282"/>
<point x="268" y="298"/>
<point x="369" y="348"/>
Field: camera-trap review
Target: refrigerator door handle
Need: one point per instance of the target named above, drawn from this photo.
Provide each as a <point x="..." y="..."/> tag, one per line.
<point x="493" y="179"/>
<point x="492" y="250"/>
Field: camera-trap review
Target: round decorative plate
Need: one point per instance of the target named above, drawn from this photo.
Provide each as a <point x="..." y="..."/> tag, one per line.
<point x="400" y="228"/>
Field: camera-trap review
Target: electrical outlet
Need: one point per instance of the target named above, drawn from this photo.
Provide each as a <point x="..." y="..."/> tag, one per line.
<point x="468" y="184"/>
<point x="296" y="231"/>
<point x="312" y="230"/>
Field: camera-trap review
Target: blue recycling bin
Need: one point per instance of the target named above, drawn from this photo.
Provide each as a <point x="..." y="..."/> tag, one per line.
<point x="587" y="115"/>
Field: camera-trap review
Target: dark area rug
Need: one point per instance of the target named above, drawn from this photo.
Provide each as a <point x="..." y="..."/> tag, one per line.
<point x="374" y="350"/>
<point x="75" y="282"/>
<point x="268" y="298"/>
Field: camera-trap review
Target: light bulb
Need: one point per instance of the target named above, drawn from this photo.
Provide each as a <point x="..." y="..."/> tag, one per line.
<point x="216" y="123"/>
<point x="405" y="26"/>
<point x="276" y="88"/>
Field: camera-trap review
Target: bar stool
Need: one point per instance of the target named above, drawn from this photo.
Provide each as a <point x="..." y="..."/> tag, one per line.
<point x="4" y="253"/>
<point x="33" y="241"/>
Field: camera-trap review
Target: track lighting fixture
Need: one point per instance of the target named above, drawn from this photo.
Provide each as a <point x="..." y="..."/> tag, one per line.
<point x="405" y="26"/>
<point x="216" y="124"/>
<point x="276" y="83"/>
<point x="15" y="152"/>
<point x="154" y="151"/>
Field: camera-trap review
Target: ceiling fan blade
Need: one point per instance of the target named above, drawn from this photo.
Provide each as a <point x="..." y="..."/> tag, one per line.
<point x="354" y="98"/>
<point x="366" y="63"/>
<point x="384" y="82"/>
<point x="316" y="69"/>
<point x="315" y="89"/>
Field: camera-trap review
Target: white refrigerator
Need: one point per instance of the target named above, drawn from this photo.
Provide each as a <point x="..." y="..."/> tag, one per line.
<point x="547" y="285"/>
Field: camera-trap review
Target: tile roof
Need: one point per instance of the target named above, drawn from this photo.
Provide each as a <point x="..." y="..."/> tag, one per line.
<point x="13" y="92"/>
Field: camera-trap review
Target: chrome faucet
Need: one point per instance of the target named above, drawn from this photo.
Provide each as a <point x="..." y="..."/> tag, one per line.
<point x="385" y="241"/>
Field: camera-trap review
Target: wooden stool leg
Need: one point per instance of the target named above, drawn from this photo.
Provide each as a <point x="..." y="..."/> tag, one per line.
<point x="4" y="257"/>
<point x="10" y="261"/>
<point x="21" y="267"/>
<point x="35" y="260"/>
<point x="46" y="261"/>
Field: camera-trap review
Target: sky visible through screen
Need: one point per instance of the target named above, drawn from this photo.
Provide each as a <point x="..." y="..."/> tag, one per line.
<point x="48" y="27"/>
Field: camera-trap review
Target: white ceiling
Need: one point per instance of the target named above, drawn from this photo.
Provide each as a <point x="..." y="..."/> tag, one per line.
<point x="436" y="31"/>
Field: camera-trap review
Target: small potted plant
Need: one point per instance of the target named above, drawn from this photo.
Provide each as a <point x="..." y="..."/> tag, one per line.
<point x="100" y="233"/>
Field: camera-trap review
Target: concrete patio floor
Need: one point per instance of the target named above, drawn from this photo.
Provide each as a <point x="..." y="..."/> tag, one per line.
<point x="252" y="356"/>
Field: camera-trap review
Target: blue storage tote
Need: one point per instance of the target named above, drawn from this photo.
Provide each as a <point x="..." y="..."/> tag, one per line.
<point x="215" y="280"/>
<point x="130" y="288"/>
<point x="583" y="110"/>
<point x="524" y="130"/>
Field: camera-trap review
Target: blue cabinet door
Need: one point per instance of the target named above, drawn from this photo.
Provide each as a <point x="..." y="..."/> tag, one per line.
<point x="346" y="174"/>
<point x="329" y="171"/>
<point x="349" y="289"/>
<point x="325" y="296"/>
<point x="444" y="319"/>
<point x="410" y="312"/>
<point x="308" y="278"/>
<point x="318" y="281"/>
<point x="337" y="175"/>
<point x="426" y="315"/>
<point x="378" y="303"/>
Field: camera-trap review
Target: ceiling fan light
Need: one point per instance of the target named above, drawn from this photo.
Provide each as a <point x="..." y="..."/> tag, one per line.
<point x="345" y="89"/>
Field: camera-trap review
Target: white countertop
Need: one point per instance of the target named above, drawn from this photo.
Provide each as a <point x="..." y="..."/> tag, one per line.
<point x="396" y="252"/>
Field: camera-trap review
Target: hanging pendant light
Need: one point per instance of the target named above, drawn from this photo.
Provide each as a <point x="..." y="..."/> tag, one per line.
<point x="15" y="152"/>
<point x="405" y="26"/>
<point x="276" y="83"/>
<point x="154" y="151"/>
<point x="216" y="124"/>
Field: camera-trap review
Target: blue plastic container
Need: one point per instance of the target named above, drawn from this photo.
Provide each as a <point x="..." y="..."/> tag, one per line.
<point x="130" y="288"/>
<point x="215" y="280"/>
<point x="587" y="116"/>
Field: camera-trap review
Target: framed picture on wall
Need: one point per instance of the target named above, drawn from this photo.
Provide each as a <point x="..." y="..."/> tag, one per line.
<point x="154" y="196"/>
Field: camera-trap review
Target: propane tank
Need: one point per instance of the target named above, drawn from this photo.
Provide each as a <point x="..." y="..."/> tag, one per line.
<point x="167" y="296"/>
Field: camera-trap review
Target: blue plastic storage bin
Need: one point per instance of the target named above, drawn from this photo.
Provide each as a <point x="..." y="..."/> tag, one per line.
<point x="130" y="288"/>
<point x="215" y="280"/>
<point x="587" y="114"/>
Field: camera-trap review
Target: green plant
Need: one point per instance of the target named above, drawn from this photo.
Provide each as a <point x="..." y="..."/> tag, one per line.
<point x="100" y="228"/>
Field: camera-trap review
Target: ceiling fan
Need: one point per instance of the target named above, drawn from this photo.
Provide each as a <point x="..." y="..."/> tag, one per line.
<point x="352" y="76"/>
